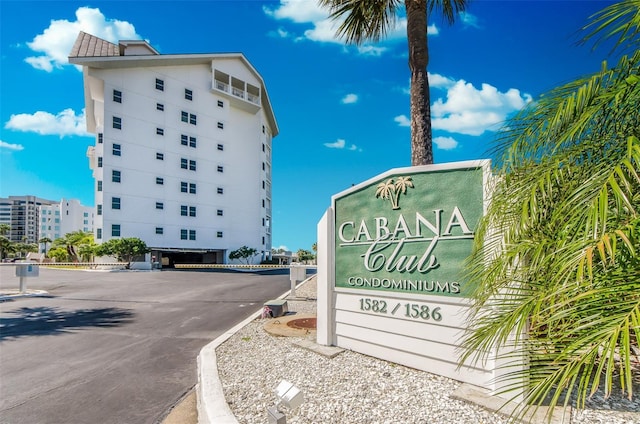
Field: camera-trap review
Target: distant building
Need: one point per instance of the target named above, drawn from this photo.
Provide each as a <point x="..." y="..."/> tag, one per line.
<point x="22" y="213"/>
<point x="182" y="155"/>
<point x="64" y="217"/>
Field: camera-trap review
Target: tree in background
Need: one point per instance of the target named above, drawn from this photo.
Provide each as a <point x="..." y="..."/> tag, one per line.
<point x="45" y="241"/>
<point x="72" y="242"/>
<point x="243" y="254"/>
<point x="58" y="253"/>
<point x="123" y="249"/>
<point x="305" y="255"/>
<point x="6" y="246"/>
<point x="557" y="255"/>
<point x="367" y="20"/>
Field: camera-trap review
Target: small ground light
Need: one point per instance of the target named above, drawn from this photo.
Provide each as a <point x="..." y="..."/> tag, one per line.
<point x="288" y="395"/>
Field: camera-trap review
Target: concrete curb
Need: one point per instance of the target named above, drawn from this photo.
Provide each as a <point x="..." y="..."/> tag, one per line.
<point x="212" y="405"/>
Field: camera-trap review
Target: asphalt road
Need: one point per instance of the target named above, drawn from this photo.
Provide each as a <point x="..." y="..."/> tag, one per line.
<point x="116" y="347"/>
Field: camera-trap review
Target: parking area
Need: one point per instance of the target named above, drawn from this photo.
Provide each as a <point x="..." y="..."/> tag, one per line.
<point x="115" y="347"/>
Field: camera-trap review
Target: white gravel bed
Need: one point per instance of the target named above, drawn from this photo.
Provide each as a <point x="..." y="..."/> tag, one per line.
<point x="351" y="387"/>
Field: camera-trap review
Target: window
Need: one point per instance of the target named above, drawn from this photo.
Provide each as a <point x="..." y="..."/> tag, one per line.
<point x="159" y="180"/>
<point x="192" y="142"/>
<point x="99" y="161"/>
<point x="159" y="205"/>
<point x="192" y="165"/>
<point x="159" y="84"/>
<point x="115" y="230"/>
<point x="188" y="141"/>
<point x="263" y="184"/>
<point x="184" y="163"/>
<point x="192" y="211"/>
<point x="159" y="131"/>
<point x="192" y="119"/>
<point x="160" y="107"/>
<point x="159" y="230"/>
<point x="263" y="166"/>
<point x="117" y="123"/>
<point x="115" y="176"/>
<point x="220" y="168"/>
<point x="187" y="187"/>
<point x="117" y="150"/>
<point x="192" y="234"/>
<point x="99" y="185"/>
<point x="100" y="138"/>
<point x="184" y="116"/>
<point x="192" y="188"/>
<point x="219" y="234"/>
<point x="183" y="234"/>
<point x="160" y="156"/>
<point x="263" y="203"/>
<point x="220" y="125"/>
<point x="188" y="94"/>
<point x="263" y="147"/>
<point x="99" y="233"/>
<point x="99" y="209"/>
<point x="183" y="187"/>
<point x="220" y="147"/>
<point x="117" y="96"/>
<point x="220" y="212"/>
<point x="220" y="190"/>
<point x="262" y="239"/>
<point x="263" y="129"/>
<point x="220" y="103"/>
<point x="183" y="210"/>
<point x="115" y="203"/>
<point x="263" y="222"/>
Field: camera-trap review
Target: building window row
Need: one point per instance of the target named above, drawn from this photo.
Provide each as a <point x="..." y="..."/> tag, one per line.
<point x="187" y="210"/>
<point x="190" y="118"/>
<point x="187" y="187"/>
<point x="186" y="234"/>
<point x="188" y="164"/>
<point x="186" y="140"/>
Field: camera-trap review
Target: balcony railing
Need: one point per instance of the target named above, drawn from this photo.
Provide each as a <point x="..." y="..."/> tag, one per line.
<point x="222" y="86"/>
<point x="237" y="92"/>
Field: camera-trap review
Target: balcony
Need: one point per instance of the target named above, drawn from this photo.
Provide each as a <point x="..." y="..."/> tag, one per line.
<point x="240" y="94"/>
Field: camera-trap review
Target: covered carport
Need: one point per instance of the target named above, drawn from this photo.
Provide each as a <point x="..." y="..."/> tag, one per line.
<point x="168" y="258"/>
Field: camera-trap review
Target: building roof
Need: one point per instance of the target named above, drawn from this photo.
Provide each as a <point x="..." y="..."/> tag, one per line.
<point x="88" y="45"/>
<point x="92" y="51"/>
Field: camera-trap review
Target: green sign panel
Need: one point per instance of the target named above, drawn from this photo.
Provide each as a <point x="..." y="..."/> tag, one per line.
<point x="409" y="232"/>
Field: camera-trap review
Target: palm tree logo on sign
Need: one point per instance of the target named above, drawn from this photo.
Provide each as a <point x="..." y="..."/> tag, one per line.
<point x="392" y="190"/>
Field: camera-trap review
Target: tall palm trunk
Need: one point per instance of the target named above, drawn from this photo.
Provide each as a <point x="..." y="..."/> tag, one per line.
<point x="421" y="137"/>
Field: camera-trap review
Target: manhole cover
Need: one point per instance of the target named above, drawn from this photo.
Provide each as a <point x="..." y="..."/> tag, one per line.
<point x="302" y="323"/>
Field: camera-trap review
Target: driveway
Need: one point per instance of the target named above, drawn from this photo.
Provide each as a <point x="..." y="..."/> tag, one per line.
<point x="115" y="347"/>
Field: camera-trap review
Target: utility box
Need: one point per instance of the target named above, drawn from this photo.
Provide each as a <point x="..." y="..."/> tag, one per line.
<point x="277" y="307"/>
<point x="27" y="270"/>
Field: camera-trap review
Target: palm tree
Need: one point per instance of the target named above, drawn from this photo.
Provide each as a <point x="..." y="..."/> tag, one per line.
<point x="386" y="190"/>
<point x="6" y="246"/>
<point x="402" y="184"/>
<point x="45" y="241"/>
<point x="4" y="229"/>
<point x="557" y="255"/>
<point x="367" y="20"/>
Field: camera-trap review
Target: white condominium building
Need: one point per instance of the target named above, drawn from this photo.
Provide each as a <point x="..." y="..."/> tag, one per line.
<point x="182" y="155"/>
<point x="59" y="219"/>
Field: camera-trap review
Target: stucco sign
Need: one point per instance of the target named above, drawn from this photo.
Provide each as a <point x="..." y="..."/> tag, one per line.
<point x="408" y="232"/>
<point x="391" y="267"/>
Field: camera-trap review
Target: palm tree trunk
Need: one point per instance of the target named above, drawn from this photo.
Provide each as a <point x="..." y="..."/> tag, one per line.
<point x="421" y="147"/>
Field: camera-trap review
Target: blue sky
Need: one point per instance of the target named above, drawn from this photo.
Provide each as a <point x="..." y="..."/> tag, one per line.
<point x="343" y="111"/>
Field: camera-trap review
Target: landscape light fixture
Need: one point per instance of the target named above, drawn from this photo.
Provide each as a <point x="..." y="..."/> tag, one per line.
<point x="287" y="395"/>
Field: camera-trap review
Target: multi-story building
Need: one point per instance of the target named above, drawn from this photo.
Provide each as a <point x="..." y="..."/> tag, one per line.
<point x="182" y="156"/>
<point x="65" y="217"/>
<point x="22" y="214"/>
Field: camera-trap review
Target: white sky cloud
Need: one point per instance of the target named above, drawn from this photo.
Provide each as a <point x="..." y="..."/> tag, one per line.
<point x="9" y="146"/>
<point x="349" y="99"/>
<point x="445" y="143"/>
<point x="468" y="19"/>
<point x="323" y="28"/>
<point x="341" y="144"/>
<point x="472" y="111"/>
<point x="56" y="41"/>
<point x="44" y="123"/>
<point x="402" y="120"/>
